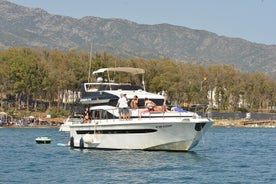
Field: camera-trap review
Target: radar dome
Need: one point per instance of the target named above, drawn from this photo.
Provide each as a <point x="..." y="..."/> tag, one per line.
<point x="99" y="79"/>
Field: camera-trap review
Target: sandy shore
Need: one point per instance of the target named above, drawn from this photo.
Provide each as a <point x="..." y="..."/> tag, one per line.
<point x="238" y="123"/>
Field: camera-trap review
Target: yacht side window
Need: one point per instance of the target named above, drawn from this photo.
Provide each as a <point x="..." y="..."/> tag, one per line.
<point x="99" y="114"/>
<point x="95" y="115"/>
<point x="91" y="87"/>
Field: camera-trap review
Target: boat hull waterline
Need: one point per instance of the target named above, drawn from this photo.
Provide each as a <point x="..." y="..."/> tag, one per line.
<point x="139" y="134"/>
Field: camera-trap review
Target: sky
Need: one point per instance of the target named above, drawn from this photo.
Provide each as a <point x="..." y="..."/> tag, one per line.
<point x="252" y="20"/>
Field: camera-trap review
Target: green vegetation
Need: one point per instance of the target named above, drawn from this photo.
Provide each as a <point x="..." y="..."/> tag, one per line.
<point x="39" y="75"/>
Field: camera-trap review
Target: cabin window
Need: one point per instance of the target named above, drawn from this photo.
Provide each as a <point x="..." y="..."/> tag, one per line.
<point x="91" y="87"/>
<point x="101" y="114"/>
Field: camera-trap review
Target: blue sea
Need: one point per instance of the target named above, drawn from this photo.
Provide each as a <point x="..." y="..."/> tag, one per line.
<point x="225" y="155"/>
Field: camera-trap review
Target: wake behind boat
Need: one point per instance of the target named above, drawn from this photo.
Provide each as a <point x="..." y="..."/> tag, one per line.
<point x="155" y="129"/>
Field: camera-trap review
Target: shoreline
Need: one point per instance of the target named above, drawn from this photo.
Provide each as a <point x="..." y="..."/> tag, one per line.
<point x="218" y="123"/>
<point x="244" y="123"/>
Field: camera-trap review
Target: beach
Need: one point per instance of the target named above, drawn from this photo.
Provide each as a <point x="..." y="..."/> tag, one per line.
<point x="238" y="123"/>
<point x="247" y="123"/>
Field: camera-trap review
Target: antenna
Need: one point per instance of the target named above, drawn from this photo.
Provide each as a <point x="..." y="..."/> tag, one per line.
<point x="90" y="62"/>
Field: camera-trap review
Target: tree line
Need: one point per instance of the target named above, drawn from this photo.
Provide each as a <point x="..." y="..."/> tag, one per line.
<point x="45" y="75"/>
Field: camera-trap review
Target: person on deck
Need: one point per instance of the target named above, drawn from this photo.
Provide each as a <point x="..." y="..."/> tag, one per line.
<point x="149" y="104"/>
<point x="134" y="102"/>
<point x="86" y="115"/>
<point x="123" y="107"/>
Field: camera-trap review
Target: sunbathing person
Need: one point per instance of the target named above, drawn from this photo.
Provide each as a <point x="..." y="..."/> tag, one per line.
<point x="150" y="105"/>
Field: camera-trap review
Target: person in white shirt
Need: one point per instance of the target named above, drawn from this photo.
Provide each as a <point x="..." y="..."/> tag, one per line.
<point x="123" y="107"/>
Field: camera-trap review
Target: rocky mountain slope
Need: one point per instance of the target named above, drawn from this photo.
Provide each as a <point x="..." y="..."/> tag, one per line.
<point x="32" y="27"/>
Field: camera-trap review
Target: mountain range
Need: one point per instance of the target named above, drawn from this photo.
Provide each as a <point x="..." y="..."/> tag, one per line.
<point x="34" y="27"/>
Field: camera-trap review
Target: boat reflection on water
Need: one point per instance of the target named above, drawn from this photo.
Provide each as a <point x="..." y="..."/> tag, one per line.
<point x="140" y="159"/>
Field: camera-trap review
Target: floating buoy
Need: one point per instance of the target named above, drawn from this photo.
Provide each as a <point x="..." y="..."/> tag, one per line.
<point x="62" y="144"/>
<point x="72" y="142"/>
<point x="81" y="143"/>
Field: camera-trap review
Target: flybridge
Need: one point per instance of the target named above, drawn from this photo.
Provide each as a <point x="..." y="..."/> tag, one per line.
<point x="89" y="87"/>
<point x="131" y="70"/>
<point x="108" y="81"/>
<point x="107" y="88"/>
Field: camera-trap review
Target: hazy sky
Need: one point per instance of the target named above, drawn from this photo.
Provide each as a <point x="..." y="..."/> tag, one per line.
<point x="252" y="20"/>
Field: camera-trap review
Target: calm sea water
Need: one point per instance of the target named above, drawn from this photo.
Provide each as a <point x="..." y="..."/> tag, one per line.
<point x="226" y="155"/>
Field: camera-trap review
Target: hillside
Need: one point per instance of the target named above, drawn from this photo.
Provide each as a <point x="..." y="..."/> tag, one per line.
<point x="30" y="27"/>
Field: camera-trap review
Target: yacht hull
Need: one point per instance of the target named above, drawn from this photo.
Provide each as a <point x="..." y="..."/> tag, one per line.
<point x="170" y="134"/>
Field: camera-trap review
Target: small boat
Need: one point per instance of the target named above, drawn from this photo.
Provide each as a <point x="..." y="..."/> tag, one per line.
<point x="43" y="140"/>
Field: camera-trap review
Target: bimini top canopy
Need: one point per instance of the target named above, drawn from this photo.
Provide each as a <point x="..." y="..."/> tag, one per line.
<point x="130" y="70"/>
<point x="3" y="114"/>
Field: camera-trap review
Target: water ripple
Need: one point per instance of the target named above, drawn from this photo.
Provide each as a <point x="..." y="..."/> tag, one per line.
<point x="225" y="156"/>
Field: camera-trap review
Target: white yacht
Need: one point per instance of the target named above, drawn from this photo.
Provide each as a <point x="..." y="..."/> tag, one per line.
<point x="160" y="129"/>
